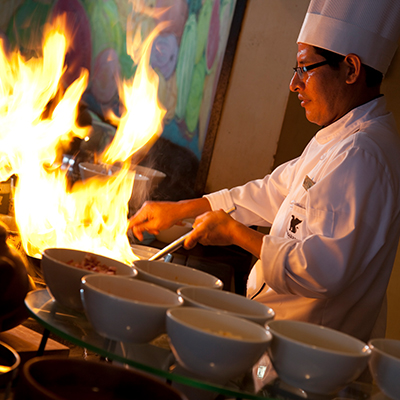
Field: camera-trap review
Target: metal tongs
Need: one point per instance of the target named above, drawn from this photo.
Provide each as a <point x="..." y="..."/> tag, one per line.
<point x="176" y="244"/>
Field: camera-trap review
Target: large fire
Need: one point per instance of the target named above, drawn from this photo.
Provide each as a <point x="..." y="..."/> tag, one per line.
<point x="90" y="215"/>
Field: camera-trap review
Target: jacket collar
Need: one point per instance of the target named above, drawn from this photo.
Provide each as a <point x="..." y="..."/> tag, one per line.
<point x="351" y="122"/>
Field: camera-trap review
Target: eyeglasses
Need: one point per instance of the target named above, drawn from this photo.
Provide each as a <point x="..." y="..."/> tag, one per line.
<point x="301" y="70"/>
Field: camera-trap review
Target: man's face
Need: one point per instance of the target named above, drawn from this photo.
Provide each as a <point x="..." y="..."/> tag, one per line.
<point x="322" y="90"/>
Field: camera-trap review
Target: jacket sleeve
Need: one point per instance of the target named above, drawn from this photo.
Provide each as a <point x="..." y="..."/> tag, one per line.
<point x="258" y="201"/>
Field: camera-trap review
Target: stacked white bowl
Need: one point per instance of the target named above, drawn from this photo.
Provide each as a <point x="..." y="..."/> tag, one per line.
<point x="217" y="346"/>
<point x="314" y="358"/>
<point x="384" y="365"/>
<point x="227" y="303"/>
<point x="63" y="279"/>
<point x="173" y="276"/>
<point x="127" y="310"/>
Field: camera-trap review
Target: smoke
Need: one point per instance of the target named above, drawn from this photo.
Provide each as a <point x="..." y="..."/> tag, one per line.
<point x="180" y="166"/>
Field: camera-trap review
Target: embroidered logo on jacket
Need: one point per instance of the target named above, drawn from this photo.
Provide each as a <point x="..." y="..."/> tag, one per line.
<point x="293" y="224"/>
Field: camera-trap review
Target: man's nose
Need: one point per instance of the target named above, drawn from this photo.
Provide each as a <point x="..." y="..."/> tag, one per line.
<point x="296" y="83"/>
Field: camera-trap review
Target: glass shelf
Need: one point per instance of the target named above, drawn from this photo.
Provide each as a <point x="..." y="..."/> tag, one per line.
<point x="156" y="358"/>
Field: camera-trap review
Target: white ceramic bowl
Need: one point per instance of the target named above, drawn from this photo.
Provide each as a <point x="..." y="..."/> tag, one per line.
<point x="124" y="309"/>
<point x="141" y="183"/>
<point x="384" y="365"/>
<point x="144" y="252"/>
<point x="226" y="302"/>
<point x="315" y="358"/>
<point x="217" y="346"/>
<point x="175" y="231"/>
<point x="173" y="276"/>
<point x="64" y="281"/>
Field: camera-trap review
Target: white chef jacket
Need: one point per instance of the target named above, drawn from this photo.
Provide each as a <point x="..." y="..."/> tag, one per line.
<point x="334" y="214"/>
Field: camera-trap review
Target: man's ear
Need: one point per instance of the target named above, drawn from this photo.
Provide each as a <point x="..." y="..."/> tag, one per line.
<point x="353" y="64"/>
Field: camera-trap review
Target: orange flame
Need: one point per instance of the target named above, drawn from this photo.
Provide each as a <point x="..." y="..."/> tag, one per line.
<point x="92" y="215"/>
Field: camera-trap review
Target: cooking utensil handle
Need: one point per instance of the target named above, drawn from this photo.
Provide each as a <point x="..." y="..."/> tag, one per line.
<point x="176" y="244"/>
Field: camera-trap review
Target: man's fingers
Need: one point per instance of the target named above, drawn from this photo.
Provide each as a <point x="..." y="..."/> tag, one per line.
<point x="138" y="219"/>
<point x="137" y="233"/>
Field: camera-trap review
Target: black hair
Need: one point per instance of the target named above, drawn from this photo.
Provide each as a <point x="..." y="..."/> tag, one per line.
<point x="373" y="76"/>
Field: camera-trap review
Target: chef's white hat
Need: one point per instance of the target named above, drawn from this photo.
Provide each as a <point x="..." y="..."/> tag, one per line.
<point x="368" y="28"/>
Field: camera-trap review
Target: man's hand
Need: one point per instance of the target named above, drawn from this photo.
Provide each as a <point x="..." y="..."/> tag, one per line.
<point x="215" y="228"/>
<point x="155" y="216"/>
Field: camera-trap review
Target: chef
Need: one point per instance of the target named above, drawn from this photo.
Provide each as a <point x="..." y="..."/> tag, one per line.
<point x="334" y="211"/>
